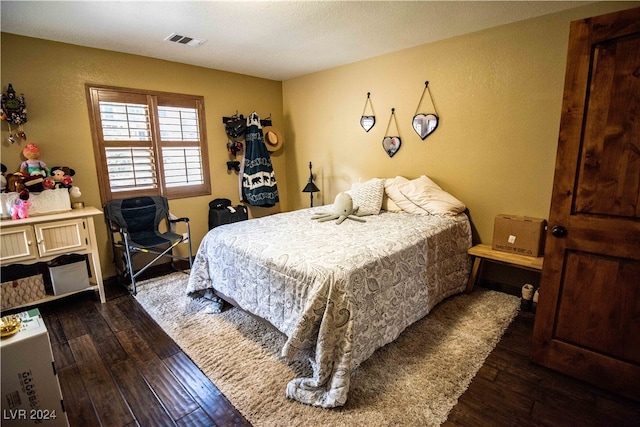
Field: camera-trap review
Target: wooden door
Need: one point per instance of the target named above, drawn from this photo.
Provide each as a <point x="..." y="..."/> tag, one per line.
<point x="588" y="318"/>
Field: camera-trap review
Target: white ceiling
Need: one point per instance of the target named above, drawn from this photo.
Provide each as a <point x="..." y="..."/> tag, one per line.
<point x="277" y="40"/>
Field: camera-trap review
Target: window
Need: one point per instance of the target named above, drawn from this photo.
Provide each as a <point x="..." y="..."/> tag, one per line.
<point x="148" y="143"/>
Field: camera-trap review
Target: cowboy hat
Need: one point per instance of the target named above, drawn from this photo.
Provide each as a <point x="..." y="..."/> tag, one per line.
<point x="273" y="139"/>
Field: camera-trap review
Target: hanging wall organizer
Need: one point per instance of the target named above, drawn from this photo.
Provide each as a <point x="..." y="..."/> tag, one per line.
<point x="263" y="122"/>
<point x="391" y="144"/>
<point x="235" y="127"/>
<point x="425" y="124"/>
<point x="367" y="122"/>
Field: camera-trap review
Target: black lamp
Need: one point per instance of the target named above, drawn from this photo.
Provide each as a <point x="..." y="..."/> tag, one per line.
<point x="310" y="187"/>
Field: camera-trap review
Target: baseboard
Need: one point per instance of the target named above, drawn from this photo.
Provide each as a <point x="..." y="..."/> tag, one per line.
<point x="501" y="287"/>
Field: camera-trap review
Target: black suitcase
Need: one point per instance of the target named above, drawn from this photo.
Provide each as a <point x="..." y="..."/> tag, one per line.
<point x="223" y="216"/>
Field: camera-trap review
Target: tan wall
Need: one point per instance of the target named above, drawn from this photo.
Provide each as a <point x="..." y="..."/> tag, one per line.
<point x="52" y="77"/>
<point x="498" y="93"/>
<point x="499" y="96"/>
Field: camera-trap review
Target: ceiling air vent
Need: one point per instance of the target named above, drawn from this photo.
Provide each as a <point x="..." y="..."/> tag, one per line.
<point x="187" y="41"/>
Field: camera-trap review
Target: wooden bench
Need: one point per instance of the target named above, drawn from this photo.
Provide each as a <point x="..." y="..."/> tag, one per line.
<point x="485" y="253"/>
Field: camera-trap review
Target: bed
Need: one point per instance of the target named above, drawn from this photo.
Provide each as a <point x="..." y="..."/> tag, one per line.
<point x="337" y="292"/>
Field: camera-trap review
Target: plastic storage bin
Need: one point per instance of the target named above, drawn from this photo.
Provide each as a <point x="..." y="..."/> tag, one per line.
<point x="69" y="273"/>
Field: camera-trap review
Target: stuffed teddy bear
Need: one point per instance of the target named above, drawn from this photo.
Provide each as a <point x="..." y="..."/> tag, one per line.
<point x="61" y="177"/>
<point x="21" y="208"/>
<point x="341" y="210"/>
<point x="16" y="182"/>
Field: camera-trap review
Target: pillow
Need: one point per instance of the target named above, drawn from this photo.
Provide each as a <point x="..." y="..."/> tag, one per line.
<point x="367" y="196"/>
<point x="429" y="196"/>
<point x="389" y="205"/>
<point x="392" y="188"/>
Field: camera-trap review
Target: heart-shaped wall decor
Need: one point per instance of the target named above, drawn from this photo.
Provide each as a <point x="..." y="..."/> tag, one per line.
<point x="425" y="124"/>
<point x="391" y="144"/>
<point x="367" y="122"/>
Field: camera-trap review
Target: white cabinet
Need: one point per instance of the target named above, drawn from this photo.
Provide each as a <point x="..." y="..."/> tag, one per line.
<point x="42" y="238"/>
<point x="17" y="244"/>
<point x="62" y="237"/>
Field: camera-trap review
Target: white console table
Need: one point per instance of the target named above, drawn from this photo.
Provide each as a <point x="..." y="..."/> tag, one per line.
<point x="44" y="237"/>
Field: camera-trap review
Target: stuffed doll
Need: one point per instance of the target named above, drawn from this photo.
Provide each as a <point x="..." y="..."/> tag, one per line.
<point x="61" y="177"/>
<point x="33" y="167"/>
<point x="341" y="210"/>
<point x="21" y="208"/>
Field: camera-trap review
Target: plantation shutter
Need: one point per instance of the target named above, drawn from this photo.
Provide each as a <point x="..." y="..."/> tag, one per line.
<point x="149" y="143"/>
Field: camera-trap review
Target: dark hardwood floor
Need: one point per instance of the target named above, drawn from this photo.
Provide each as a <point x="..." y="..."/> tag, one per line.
<point x="509" y="390"/>
<point x="118" y="368"/>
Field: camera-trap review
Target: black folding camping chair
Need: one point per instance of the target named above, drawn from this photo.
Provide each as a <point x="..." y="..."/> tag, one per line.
<point x="143" y="225"/>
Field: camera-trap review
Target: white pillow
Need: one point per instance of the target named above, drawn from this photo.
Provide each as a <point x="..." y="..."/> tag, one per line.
<point x="389" y="205"/>
<point x="429" y="196"/>
<point x="392" y="188"/>
<point x="367" y="196"/>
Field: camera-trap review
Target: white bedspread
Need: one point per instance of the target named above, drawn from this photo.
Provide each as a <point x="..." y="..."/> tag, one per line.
<point x="338" y="292"/>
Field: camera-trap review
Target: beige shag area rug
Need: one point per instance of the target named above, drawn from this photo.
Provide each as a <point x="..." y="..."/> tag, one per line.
<point x="414" y="381"/>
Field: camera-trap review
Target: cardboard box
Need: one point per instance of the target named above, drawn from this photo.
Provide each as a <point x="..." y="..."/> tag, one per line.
<point x="520" y="235"/>
<point x="31" y="394"/>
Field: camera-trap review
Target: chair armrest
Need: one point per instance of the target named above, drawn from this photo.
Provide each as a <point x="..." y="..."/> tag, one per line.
<point x="183" y="219"/>
<point x="115" y="228"/>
